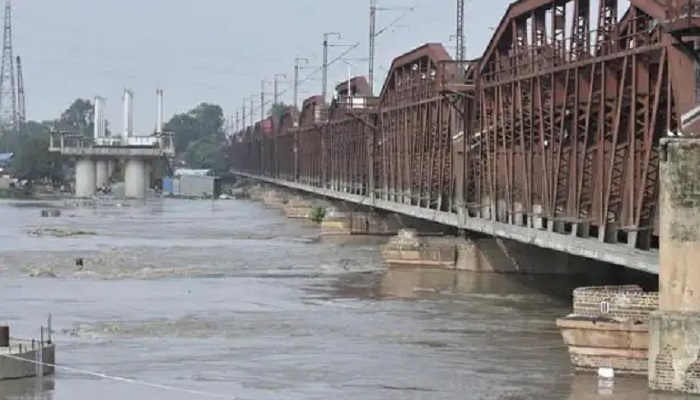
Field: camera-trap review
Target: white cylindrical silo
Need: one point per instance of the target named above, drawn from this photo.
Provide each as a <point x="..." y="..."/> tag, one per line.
<point x="159" y="126"/>
<point x="128" y="113"/>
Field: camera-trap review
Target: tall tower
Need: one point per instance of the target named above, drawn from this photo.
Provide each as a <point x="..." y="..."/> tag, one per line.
<point x="459" y="34"/>
<point x="21" y="105"/>
<point x="8" y="89"/>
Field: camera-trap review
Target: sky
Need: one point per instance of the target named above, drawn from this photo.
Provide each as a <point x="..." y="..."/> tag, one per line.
<point x="215" y="51"/>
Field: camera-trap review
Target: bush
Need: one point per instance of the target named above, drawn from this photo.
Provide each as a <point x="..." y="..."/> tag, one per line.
<point x="318" y="213"/>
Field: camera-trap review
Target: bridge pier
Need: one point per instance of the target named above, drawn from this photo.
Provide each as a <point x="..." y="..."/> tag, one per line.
<point x="85" y="178"/>
<point x="111" y="167"/>
<point x="302" y="207"/>
<point x="135" y="183"/>
<point x="275" y="198"/>
<point x="101" y="173"/>
<point x="674" y="348"/>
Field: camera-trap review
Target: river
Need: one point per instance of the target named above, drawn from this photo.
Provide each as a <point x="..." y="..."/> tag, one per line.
<point x="233" y="300"/>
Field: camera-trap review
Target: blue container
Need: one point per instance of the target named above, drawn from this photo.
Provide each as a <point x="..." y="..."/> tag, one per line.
<point x="168" y="185"/>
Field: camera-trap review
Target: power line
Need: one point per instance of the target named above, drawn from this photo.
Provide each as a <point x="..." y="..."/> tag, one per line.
<point x="307" y="78"/>
<point x="373" y="34"/>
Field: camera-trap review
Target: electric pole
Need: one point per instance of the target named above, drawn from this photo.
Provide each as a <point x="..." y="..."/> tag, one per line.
<point x="238" y="121"/>
<point x="324" y="89"/>
<point x="372" y="41"/>
<point x="374" y="34"/>
<point x="252" y="119"/>
<point x="297" y="62"/>
<point x="262" y="100"/>
<point x="276" y="89"/>
<point x="243" y="116"/>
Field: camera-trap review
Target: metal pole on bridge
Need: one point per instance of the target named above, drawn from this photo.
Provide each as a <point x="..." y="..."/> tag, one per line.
<point x="297" y="66"/>
<point x="324" y="89"/>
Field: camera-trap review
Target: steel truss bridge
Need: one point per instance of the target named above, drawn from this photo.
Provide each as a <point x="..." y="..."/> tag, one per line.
<point x="550" y="138"/>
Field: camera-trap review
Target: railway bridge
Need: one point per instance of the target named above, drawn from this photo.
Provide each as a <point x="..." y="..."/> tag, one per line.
<point x="574" y="131"/>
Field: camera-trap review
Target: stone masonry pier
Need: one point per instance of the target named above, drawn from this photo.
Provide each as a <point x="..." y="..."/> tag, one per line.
<point x="609" y="327"/>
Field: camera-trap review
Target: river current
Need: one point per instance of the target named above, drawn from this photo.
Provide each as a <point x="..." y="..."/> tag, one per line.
<point x="230" y="299"/>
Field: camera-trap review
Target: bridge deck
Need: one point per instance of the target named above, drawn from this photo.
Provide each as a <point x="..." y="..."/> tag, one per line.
<point x="619" y="254"/>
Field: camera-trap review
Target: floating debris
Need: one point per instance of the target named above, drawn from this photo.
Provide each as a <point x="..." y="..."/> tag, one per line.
<point x="51" y="213"/>
<point x="54" y="232"/>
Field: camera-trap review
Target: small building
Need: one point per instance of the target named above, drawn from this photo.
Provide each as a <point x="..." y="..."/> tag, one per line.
<point x="192" y="185"/>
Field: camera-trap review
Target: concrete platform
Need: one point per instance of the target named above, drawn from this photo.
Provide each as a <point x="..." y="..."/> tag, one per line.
<point x="12" y="365"/>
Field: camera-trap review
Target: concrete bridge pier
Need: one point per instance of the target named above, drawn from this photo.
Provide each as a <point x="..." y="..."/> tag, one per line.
<point x="275" y="198"/>
<point x="111" y="167"/>
<point x="302" y="207"/>
<point x="135" y="183"/>
<point x="85" y="177"/>
<point x="674" y="330"/>
<point x="101" y="172"/>
<point x="348" y="219"/>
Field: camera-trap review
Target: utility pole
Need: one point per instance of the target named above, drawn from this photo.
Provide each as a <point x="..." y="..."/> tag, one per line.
<point x="374" y="34"/>
<point x="324" y="90"/>
<point x="252" y="119"/>
<point x="262" y="100"/>
<point x="276" y="89"/>
<point x="243" y="116"/>
<point x="459" y="34"/>
<point x="238" y="121"/>
<point x="297" y="62"/>
<point x="372" y="41"/>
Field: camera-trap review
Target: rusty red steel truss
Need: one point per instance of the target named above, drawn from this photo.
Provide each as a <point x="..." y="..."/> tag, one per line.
<point x="555" y="127"/>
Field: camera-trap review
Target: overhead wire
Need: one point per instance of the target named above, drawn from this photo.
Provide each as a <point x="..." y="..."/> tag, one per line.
<point x="308" y="77"/>
<point x="392" y="24"/>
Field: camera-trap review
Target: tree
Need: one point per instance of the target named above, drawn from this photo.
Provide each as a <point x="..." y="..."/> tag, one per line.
<point x="204" y="121"/>
<point x="206" y="153"/>
<point x="279" y="109"/>
<point x="32" y="160"/>
<point x="78" y="118"/>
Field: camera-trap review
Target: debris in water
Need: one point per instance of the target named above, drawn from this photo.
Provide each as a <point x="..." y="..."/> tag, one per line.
<point x="57" y="232"/>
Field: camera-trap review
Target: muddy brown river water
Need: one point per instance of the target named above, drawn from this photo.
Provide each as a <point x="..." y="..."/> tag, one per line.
<point x="233" y="300"/>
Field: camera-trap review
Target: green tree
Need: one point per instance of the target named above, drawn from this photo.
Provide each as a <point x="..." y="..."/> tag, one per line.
<point x="32" y="160"/>
<point x="78" y="118"/>
<point x="204" y="121"/>
<point x="206" y="153"/>
<point x="279" y="109"/>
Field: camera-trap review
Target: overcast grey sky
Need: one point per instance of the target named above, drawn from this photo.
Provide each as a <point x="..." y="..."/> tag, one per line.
<point x="210" y="50"/>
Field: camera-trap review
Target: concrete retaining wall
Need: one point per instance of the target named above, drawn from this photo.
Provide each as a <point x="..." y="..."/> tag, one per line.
<point x="12" y="368"/>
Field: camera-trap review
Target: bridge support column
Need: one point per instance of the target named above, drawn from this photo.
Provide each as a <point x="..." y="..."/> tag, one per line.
<point x="408" y="249"/>
<point x="674" y="331"/>
<point x="85" y="180"/>
<point x="111" y="166"/>
<point x="147" y="169"/>
<point x="300" y="207"/>
<point x="275" y="198"/>
<point x="344" y="219"/>
<point x="101" y="173"/>
<point x="135" y="178"/>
